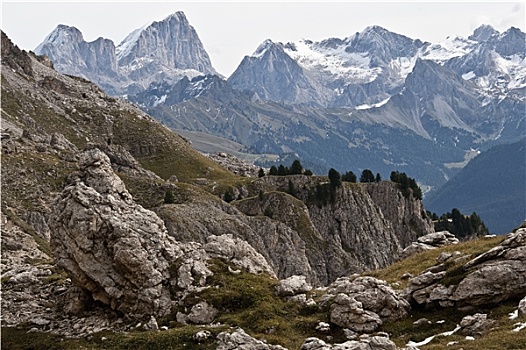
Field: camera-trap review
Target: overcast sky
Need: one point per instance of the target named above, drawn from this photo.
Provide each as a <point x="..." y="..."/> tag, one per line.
<point x="231" y="30"/>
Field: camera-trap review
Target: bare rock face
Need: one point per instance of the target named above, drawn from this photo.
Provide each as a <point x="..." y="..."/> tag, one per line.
<point x="108" y="244"/>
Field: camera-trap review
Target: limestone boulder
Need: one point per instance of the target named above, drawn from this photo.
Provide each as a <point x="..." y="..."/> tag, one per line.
<point x="475" y="325"/>
<point x="108" y="244"/>
<point x="347" y="312"/>
<point x="375" y="295"/>
<point x="239" y="339"/>
<point x="293" y="285"/>
<point x="438" y="239"/>
<point x="492" y="277"/>
<point x="239" y="252"/>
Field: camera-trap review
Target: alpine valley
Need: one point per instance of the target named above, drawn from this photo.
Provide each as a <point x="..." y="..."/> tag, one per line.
<point x="117" y="234"/>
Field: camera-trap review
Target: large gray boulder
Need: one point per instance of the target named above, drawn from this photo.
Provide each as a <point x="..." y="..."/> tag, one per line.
<point x="347" y="312"/>
<point x="363" y="303"/>
<point x="108" y="244"/>
<point x="293" y="285"/>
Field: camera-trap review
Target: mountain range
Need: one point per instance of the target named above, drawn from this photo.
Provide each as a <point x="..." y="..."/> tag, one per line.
<point x="117" y="234"/>
<point x="374" y="100"/>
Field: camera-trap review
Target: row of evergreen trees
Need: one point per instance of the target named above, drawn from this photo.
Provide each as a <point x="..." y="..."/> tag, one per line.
<point x="295" y="169"/>
<point x="406" y="183"/>
<point x="462" y="226"/>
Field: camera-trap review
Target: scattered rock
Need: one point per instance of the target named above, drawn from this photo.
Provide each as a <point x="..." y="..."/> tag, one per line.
<point x="241" y="340"/>
<point x="293" y="285"/>
<point x="365" y="343"/>
<point x="475" y="325"/>
<point x="202" y="313"/>
<point x="323" y="327"/>
<point x="151" y="324"/>
<point x="421" y="322"/>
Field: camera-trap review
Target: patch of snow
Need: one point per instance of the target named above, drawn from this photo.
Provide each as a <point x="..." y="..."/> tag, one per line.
<point x="403" y="65"/>
<point x="451" y="343"/>
<point x="334" y="61"/>
<point x="469" y="337"/>
<point x="124" y="48"/>
<point x="159" y="101"/>
<point x="468" y="76"/>
<point x="513" y="315"/>
<point x="429" y="339"/>
<point x="520" y="326"/>
<point x="375" y="105"/>
<point x="447" y="49"/>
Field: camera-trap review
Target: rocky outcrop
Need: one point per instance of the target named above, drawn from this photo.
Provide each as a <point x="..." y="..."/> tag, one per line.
<point x="122" y="254"/>
<point x="349" y="225"/>
<point x="497" y="275"/>
<point x="494" y="276"/>
<point x="109" y="245"/>
<point x="15" y="58"/>
<point x="363" y="303"/>
<point x="429" y="242"/>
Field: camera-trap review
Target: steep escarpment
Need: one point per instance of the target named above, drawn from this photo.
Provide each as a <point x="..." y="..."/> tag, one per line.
<point x="357" y="218"/>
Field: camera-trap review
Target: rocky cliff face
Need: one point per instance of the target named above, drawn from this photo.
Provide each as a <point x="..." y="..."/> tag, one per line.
<point x="130" y="67"/>
<point x="174" y="43"/>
